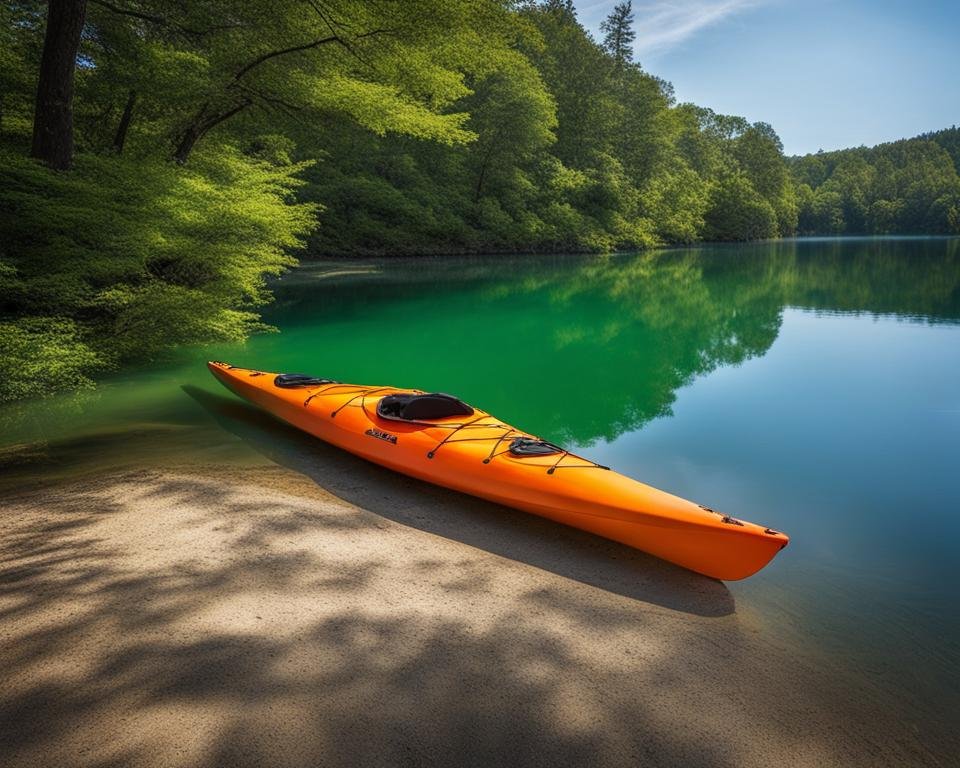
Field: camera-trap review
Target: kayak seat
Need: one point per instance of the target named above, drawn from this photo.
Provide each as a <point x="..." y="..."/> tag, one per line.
<point x="435" y="405"/>
<point x="528" y="446"/>
<point x="294" y="380"/>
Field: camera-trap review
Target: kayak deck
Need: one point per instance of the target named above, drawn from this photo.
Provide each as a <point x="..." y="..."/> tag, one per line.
<point x="478" y="454"/>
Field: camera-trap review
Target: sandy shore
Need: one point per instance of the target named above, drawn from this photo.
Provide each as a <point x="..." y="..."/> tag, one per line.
<point x="313" y="610"/>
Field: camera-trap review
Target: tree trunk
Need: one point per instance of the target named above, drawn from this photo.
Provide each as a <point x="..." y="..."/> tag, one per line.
<point x="188" y="140"/>
<point x="53" y="114"/>
<point x="479" y="190"/>
<point x="121" y="136"/>
<point x="485" y="164"/>
<point x="201" y="124"/>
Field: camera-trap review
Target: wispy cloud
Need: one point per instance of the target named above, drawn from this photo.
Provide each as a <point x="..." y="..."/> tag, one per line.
<point x="664" y="24"/>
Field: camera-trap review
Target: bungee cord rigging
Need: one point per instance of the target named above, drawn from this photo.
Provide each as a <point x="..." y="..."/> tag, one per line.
<point x="519" y="438"/>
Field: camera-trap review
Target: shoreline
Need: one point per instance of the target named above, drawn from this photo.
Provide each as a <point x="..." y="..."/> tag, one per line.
<point x="440" y="253"/>
<point x="304" y="607"/>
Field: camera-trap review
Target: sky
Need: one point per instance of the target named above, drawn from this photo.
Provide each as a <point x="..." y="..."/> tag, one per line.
<point x="826" y="74"/>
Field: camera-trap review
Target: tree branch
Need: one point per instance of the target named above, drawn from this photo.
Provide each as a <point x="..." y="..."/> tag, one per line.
<point x="215" y="120"/>
<point x="296" y="48"/>
<point x="272" y="100"/>
<point x="282" y="52"/>
<point x="162" y="21"/>
<point x="332" y="25"/>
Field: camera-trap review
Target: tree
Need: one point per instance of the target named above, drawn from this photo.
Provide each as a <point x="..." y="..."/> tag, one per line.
<point x="577" y="73"/>
<point x="559" y="7"/>
<point x="618" y="33"/>
<point x="738" y="212"/>
<point x="513" y="117"/>
<point x="388" y="66"/>
<point x="314" y="59"/>
<point x="53" y="115"/>
<point x="760" y="154"/>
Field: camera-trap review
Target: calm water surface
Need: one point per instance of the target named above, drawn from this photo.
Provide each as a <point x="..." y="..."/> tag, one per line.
<point x="813" y="386"/>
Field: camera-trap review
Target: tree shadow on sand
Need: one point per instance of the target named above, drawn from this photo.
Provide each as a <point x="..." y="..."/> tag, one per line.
<point x="161" y="617"/>
<point x="236" y="637"/>
<point x="502" y="531"/>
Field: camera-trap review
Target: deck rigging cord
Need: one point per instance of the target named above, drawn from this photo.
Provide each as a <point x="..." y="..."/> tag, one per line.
<point x="362" y="393"/>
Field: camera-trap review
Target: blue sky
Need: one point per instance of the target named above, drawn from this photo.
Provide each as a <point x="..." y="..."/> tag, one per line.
<point x="826" y="74"/>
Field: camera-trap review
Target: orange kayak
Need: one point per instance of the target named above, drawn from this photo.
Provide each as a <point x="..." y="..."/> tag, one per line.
<point x="438" y="438"/>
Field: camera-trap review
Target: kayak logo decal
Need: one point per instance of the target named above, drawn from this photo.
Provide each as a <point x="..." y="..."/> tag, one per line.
<point x="382" y="435"/>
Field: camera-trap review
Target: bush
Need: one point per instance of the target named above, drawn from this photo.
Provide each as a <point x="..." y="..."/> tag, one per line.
<point x="123" y="259"/>
<point x="43" y="355"/>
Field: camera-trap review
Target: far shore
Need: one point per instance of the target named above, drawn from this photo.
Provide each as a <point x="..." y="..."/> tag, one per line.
<point x="301" y="607"/>
<point x="440" y="253"/>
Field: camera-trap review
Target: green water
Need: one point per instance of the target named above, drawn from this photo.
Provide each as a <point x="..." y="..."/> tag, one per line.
<point x="813" y="386"/>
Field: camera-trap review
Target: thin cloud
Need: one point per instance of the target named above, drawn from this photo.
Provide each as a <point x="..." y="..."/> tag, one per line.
<point x="664" y="24"/>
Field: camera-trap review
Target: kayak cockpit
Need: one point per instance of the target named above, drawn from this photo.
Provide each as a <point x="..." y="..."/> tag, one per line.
<point x="421" y="407"/>
<point x="298" y="380"/>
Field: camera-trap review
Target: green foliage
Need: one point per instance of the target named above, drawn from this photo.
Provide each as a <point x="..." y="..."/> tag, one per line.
<point x="738" y="211"/>
<point x="905" y="187"/>
<point x="121" y="261"/>
<point x="576" y="148"/>
<point x="677" y="204"/>
<point x="43" y="355"/>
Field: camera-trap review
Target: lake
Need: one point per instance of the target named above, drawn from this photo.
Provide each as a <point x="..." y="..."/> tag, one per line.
<point x="810" y="385"/>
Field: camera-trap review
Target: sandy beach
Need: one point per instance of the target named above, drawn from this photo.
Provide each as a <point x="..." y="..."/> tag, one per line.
<point x="310" y="609"/>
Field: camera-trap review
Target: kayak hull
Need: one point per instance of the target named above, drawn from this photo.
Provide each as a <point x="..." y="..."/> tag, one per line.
<point x="471" y="455"/>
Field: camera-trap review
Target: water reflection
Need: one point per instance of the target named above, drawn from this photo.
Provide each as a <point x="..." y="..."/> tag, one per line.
<point x="580" y="349"/>
<point x="576" y="349"/>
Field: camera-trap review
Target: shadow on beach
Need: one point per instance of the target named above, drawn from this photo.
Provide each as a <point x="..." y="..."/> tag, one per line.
<point x="223" y="632"/>
<point x="502" y="531"/>
<point x="243" y="616"/>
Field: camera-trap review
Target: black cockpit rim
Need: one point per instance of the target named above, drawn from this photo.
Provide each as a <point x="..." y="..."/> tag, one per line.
<point x="299" y="380"/>
<point x="421" y="407"/>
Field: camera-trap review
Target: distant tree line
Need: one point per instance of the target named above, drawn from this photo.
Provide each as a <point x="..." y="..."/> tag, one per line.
<point x="904" y="187"/>
<point x="160" y="159"/>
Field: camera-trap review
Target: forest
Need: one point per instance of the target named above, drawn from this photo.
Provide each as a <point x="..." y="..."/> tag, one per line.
<point x="901" y="188"/>
<point x="160" y="160"/>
